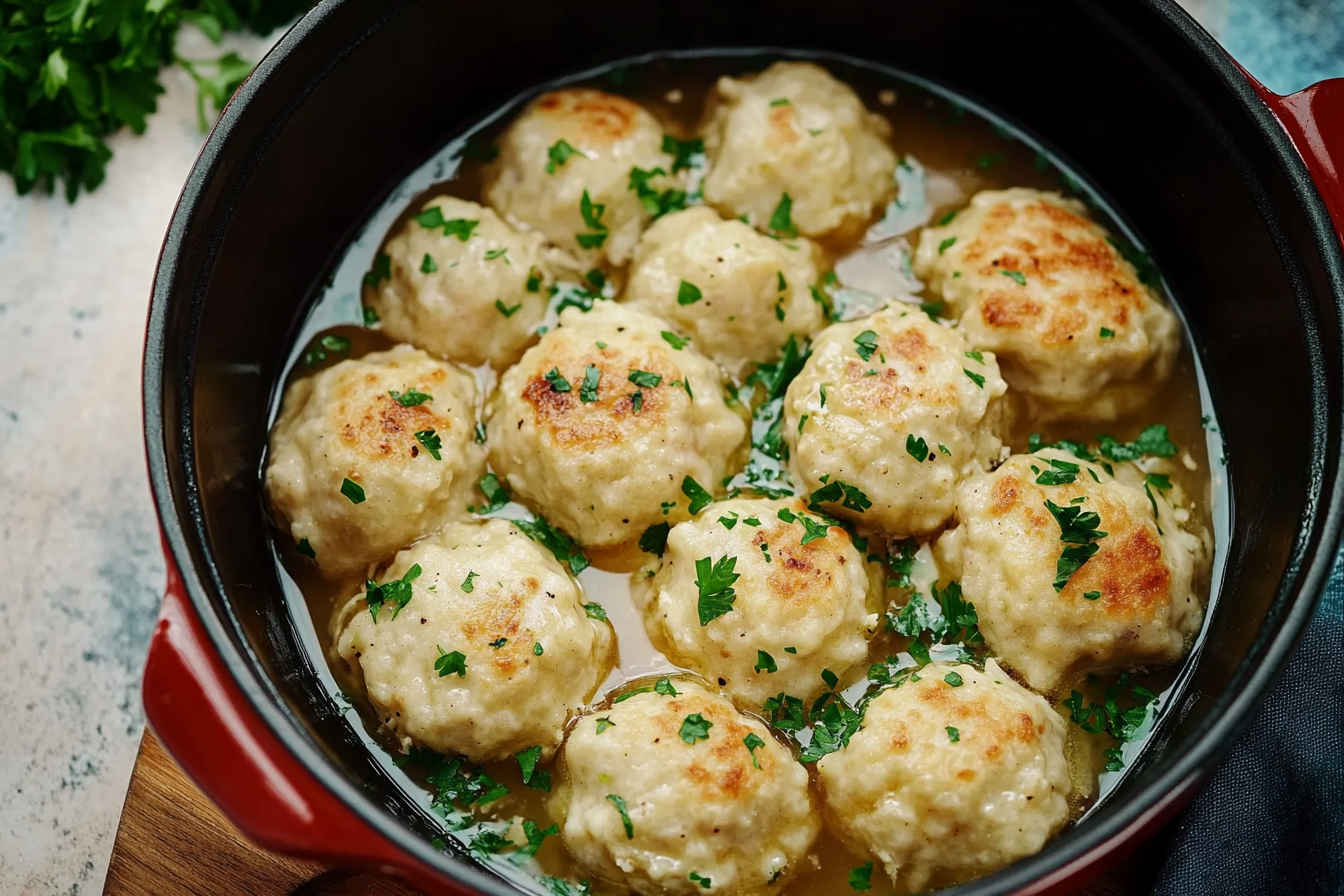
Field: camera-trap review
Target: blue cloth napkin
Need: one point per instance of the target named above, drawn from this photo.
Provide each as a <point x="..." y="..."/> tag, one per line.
<point x="1271" y="819"/>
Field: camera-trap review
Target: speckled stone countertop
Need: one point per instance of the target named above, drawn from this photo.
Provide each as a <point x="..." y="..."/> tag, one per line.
<point x="80" y="561"/>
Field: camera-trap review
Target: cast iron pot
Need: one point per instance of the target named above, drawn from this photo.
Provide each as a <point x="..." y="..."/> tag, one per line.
<point x="1212" y="170"/>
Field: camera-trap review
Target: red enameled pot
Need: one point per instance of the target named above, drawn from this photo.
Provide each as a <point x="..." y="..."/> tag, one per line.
<point x="1238" y="193"/>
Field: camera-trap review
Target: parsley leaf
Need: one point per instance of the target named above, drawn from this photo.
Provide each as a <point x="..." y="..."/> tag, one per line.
<point x="397" y="592"/>
<point x="1064" y="473"/>
<point x="953" y="734"/>
<point x="595" y="611"/>
<point x="686" y="154"/>
<point x="695" y="728"/>
<point x="946" y="244"/>
<point x="674" y="340"/>
<point x="954" y="679"/>
<point x="861" y="878"/>
<point x="412" y="397"/>
<point x="715" y="583"/>
<point x="507" y="310"/>
<point x="700" y="499"/>
<point x="1079" y="531"/>
<point x="688" y="293"/>
<point x="1016" y="276"/>
<point x="352" y="490"/>
<point x="537" y="779"/>
<point x="850" y="496"/>
<point x="1153" y="440"/>
<point x="381" y="270"/>
<point x="604" y="723"/>
<point x="566" y="550"/>
<point x="496" y="493"/>
<point x="588" y="390"/>
<point x="781" y="222"/>
<point x="865" y="344"/>
<point x="433" y="444"/>
<point x="644" y="379"/>
<point x="765" y="662"/>
<point x="559" y="153"/>
<point x="654" y="539"/>
<point x="427" y="265"/>
<point x="976" y="378"/>
<point x="534" y="833"/>
<point x="704" y="882"/>
<point x="448" y="663"/>
<point x="467" y="584"/>
<point x="558" y="382"/>
<point x="619" y="803"/>
<point x="916" y="447"/>
<point x="592" y="217"/>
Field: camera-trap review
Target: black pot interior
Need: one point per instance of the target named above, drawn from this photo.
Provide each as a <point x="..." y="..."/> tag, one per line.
<point x="373" y="88"/>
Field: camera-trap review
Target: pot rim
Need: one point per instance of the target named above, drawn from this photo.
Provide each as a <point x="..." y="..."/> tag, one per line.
<point x="1310" y="561"/>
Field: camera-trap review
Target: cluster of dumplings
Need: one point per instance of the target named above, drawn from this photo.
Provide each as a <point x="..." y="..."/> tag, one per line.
<point x="477" y="638"/>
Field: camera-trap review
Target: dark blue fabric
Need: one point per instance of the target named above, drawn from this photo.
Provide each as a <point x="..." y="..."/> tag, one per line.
<point x="1271" y="819"/>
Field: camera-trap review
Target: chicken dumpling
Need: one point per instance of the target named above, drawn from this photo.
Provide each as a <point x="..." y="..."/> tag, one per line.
<point x="370" y="454"/>
<point x="683" y="794"/>
<point x="464" y="284"/>
<point x="1135" y="601"/>
<point x="796" y="131"/>
<point x="737" y="294"/>
<point x="952" y="776"/>
<point x="602" y="423"/>
<point x="888" y="415"/>
<point x="455" y="666"/>
<point x="1036" y="281"/>
<point x="565" y="168"/>
<point x="800" y="603"/>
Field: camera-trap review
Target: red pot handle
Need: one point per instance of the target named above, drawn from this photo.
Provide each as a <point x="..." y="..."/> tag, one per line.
<point x="1314" y="120"/>
<point x="203" y="720"/>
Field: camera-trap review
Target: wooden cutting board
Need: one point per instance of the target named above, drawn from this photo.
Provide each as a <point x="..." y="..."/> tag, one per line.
<point x="172" y="841"/>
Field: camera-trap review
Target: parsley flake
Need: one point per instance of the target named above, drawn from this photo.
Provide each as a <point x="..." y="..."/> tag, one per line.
<point x="946" y="244"/>
<point x="686" y="154"/>
<point x="448" y="663"/>
<point x="695" y="728"/>
<point x="595" y="611"/>
<point x="916" y="447"/>
<point x="765" y="663"/>
<point x="753" y="742"/>
<point x="715" y="583"/>
<point x="397" y="592"/>
<point x="588" y="390"/>
<point x="496" y="493"/>
<point x="381" y="270"/>
<point x="1016" y="276"/>
<point x="592" y="217"/>
<point x="565" y="549"/>
<point x="953" y="734"/>
<point x="412" y="397"/>
<point x="953" y="679"/>
<point x="1078" y="530"/>
<point x="467" y="584"/>
<point x="644" y="379"/>
<point x="619" y="803"/>
<point x="558" y="382"/>
<point x="697" y="879"/>
<point x="865" y="344"/>
<point x="654" y="539"/>
<point x="1106" y="333"/>
<point x="688" y="293"/>
<point x="559" y="153"/>
<point x="849" y="496"/>
<point x="506" y="310"/>
<point x="603" y="723"/>
<point x="427" y="265"/>
<point x="861" y="878"/>
<point x="353" y="491"/>
<point x="781" y="221"/>
<point x="433" y="444"/>
<point x="674" y="340"/>
<point x="700" y="499"/>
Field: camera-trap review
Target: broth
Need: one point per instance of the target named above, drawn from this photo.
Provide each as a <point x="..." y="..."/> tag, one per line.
<point x="950" y="152"/>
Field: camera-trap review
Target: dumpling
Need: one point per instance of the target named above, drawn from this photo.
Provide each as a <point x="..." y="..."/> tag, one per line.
<point x="601" y="425"/>
<point x="1037" y="282"/>
<point x="1134" y="602"/>
<point x="683" y="794"/>
<point x="952" y="776"/>
<point x="370" y="454"/>
<point x="464" y="284"/>
<point x="795" y="131"/>
<point x="456" y="667"/>
<point x="737" y="294"/>
<point x="888" y="415"/>
<point x="565" y="168"/>
<point x="800" y="602"/>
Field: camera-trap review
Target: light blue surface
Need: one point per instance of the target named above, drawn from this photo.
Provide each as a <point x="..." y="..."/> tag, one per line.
<point x="1287" y="44"/>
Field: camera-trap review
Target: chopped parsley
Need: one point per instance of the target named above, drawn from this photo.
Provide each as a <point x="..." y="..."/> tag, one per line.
<point x="865" y="344"/>
<point x="954" y="679"/>
<point x="559" y="153"/>
<point x="496" y="493"/>
<point x="1106" y="333"/>
<point x="1108" y="716"/>
<point x="700" y="499"/>
<point x="953" y="734"/>
<point x="782" y="101"/>
<point x="499" y="642"/>
<point x="1063" y="473"/>
<point x="850" y="496"/>
<point x="595" y="611"/>
<point x="932" y="309"/>
<point x="976" y="357"/>
<point x="397" y="592"/>
<point x="637" y="401"/>
<point x="753" y="742"/>
<point x="947" y="218"/>
<point x="370" y="316"/>
<point x="427" y="265"/>
<point x="353" y="491"/>
<point x="381" y="270"/>
<point x="656" y="203"/>
<point x="412" y="397"/>
<point x="654" y="539"/>
<point x="686" y="154"/>
<point x="537" y="649"/>
<point x="467" y="584"/>
<point x="535" y="834"/>
<point x="1091" y="595"/>
<point x="603" y="723"/>
<point x="695" y="728"/>
<point x="715" y="583"/>
<point x="783" y="284"/>
<point x="1153" y="440"/>
<point x="433" y="444"/>
<point x="1016" y="276"/>
<point x="588" y="390"/>
<point x="916" y="447"/>
<point x="506" y="310"/>
<point x="448" y="663"/>
<point x="674" y="340"/>
<point x="644" y="379"/>
<point x="861" y="878"/>
<point x="619" y="803"/>
<point x="946" y="244"/>
<point x="558" y="382"/>
<point x="1078" y="530"/>
<point x="538" y="779"/>
<point x="765" y="663"/>
<point x="533" y="280"/>
<point x="566" y="550"/>
<point x="592" y="218"/>
<point x="697" y="879"/>
<point x="480" y="433"/>
<point x="976" y="378"/>
<point x="688" y="293"/>
<point x="781" y="221"/>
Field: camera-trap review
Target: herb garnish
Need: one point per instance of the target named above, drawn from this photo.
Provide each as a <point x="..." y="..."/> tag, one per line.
<point x="588" y="390"/>
<point x="695" y="728"/>
<point x="654" y="539"/>
<point x="412" y="397"/>
<point x="619" y="803"/>
<point x="496" y="493"/>
<point x="644" y="379"/>
<point x="715" y="583"/>
<point x="559" y="153"/>
<point x="865" y="344"/>
<point x="566" y="550"/>
<point x="506" y="310"/>
<point x="765" y="663"/>
<point x="352" y="490"/>
<point x="448" y="663"/>
<point x="557" y="381"/>
<point x="592" y="217"/>
<point x="1079" y="531"/>
<point x="674" y="340"/>
<point x="861" y="878"/>
<point x="781" y="222"/>
<point x="753" y="743"/>
<point x="1016" y="276"/>
<point x="688" y="293"/>
<point x="397" y="592"/>
<point x="700" y="499"/>
<point x="467" y="584"/>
